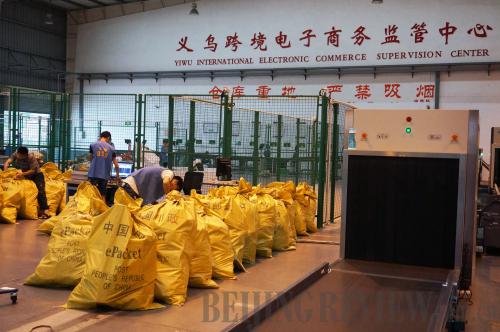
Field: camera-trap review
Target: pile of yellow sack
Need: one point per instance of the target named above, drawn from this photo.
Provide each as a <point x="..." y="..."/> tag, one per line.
<point x="18" y="198"/>
<point x="64" y="262"/>
<point x="128" y="256"/>
<point x="55" y="187"/>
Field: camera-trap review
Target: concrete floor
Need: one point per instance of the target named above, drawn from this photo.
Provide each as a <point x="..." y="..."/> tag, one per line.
<point x="484" y="312"/>
<point x="403" y="306"/>
<point x="21" y="248"/>
<point x="387" y="299"/>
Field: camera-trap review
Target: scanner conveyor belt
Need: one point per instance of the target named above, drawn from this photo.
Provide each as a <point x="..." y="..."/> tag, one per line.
<point x="369" y="296"/>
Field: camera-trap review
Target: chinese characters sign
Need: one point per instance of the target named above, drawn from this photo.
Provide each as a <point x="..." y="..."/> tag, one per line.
<point x="292" y="34"/>
<point x="262" y="45"/>
<point x="391" y="36"/>
<point x="360" y="92"/>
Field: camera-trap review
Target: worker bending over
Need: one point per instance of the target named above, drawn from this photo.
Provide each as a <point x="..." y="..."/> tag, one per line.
<point x="151" y="183"/>
<point x="30" y="170"/>
<point x="101" y="156"/>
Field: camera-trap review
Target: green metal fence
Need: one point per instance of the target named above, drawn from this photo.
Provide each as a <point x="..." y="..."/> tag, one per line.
<point x="92" y="114"/>
<point x="37" y="120"/>
<point x="272" y="138"/>
<point x="337" y="148"/>
<point x="275" y="138"/>
<point x="190" y="124"/>
<point x="268" y="139"/>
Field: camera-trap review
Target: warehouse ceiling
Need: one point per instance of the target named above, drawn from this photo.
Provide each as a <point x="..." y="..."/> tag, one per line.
<point x="86" y="4"/>
<point x="86" y="11"/>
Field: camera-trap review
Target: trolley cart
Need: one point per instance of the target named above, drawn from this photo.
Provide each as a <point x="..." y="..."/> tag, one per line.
<point x="10" y="290"/>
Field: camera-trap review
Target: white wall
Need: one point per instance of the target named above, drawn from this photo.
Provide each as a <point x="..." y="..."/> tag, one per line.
<point x="310" y="86"/>
<point x="147" y="41"/>
<point x="460" y="90"/>
<point x="475" y="90"/>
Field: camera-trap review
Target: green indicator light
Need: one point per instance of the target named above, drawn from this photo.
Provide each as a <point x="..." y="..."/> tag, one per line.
<point x="408" y="130"/>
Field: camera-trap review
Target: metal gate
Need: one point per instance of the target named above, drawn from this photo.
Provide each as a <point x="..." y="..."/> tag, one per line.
<point x="37" y="120"/>
<point x="271" y="138"/>
<point x="92" y="114"/>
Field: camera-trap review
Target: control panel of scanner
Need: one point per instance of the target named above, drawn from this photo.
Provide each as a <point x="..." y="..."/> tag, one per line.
<point x="431" y="131"/>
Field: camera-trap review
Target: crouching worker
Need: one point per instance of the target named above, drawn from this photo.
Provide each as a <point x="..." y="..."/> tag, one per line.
<point x="30" y="170"/>
<point x="151" y="183"/>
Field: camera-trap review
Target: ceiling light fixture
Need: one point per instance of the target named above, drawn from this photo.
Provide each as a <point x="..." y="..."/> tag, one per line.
<point x="49" y="20"/>
<point x="194" y="9"/>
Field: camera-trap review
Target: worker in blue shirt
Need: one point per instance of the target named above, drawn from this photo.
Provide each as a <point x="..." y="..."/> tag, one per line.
<point x="102" y="155"/>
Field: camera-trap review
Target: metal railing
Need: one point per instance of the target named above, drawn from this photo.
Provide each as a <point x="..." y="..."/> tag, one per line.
<point x="268" y="138"/>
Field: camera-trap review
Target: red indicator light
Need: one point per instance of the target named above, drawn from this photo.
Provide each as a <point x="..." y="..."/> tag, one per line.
<point x="364" y="136"/>
<point x="408" y="119"/>
<point x="454" y="138"/>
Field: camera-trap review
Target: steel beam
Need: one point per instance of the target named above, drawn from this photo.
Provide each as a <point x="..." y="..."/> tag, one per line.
<point x="98" y="2"/>
<point x="76" y="4"/>
<point x="487" y="67"/>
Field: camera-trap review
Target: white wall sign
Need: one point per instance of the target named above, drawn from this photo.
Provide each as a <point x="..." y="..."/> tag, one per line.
<point x="423" y="93"/>
<point x="269" y="34"/>
<point x="397" y="90"/>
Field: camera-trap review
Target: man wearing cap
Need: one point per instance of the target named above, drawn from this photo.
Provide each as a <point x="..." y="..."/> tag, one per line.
<point x="102" y="155"/>
<point x="151" y="183"/>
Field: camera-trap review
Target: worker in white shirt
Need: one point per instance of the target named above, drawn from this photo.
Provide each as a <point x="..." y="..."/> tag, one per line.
<point x="151" y="183"/>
